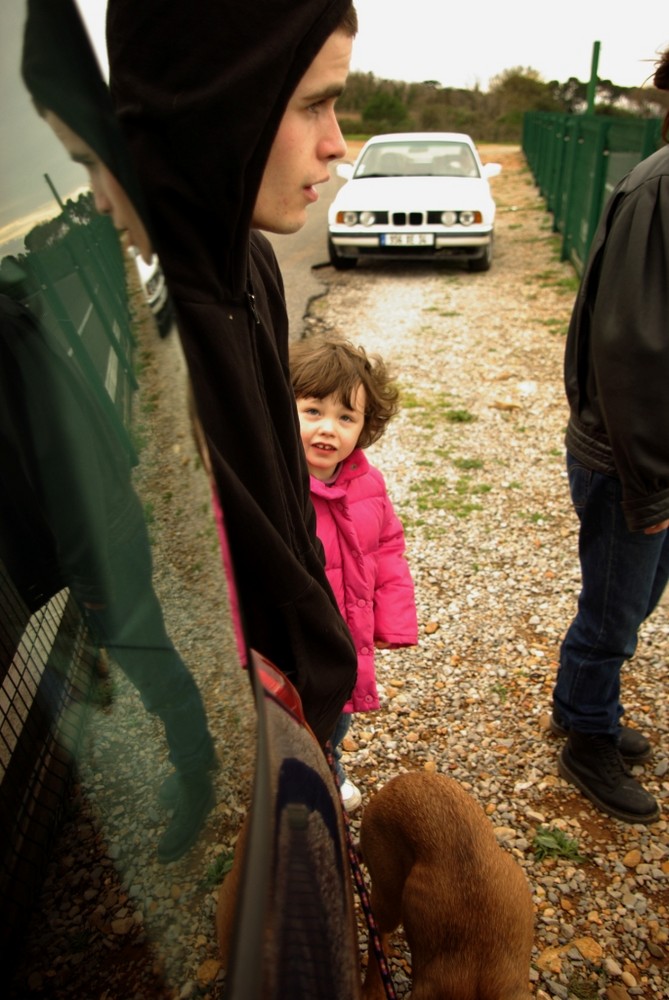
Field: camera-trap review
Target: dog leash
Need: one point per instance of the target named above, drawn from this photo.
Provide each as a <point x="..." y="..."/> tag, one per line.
<point x="358" y="878"/>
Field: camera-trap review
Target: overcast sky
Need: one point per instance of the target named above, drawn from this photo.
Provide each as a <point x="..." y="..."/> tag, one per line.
<point x="465" y="44"/>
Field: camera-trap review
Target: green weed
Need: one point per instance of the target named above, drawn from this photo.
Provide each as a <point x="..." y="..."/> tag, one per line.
<point x="217" y="870"/>
<point x="553" y="843"/>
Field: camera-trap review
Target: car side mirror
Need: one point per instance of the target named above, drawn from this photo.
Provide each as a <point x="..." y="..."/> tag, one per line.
<point x="345" y="170"/>
<point x="491" y="169"/>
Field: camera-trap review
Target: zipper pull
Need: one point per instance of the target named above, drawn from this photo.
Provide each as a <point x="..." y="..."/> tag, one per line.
<point x="252" y="303"/>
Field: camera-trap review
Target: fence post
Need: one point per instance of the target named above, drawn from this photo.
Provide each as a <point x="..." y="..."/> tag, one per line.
<point x="79" y="352"/>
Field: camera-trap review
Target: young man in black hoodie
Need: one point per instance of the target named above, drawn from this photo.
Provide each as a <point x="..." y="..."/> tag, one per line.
<point x="229" y="114"/>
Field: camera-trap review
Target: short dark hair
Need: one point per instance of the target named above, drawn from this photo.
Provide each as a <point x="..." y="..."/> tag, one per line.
<point x="349" y="22"/>
<point x="330" y="366"/>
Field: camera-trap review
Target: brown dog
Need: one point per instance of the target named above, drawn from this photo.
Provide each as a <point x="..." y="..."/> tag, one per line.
<point x="465" y="905"/>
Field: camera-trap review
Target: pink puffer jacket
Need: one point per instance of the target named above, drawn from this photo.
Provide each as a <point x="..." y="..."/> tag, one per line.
<point x="364" y="560"/>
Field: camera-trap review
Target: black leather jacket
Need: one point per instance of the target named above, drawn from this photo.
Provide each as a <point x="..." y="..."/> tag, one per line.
<point x="617" y="352"/>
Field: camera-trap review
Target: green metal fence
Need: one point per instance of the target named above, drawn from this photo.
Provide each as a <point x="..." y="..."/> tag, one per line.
<point x="576" y="161"/>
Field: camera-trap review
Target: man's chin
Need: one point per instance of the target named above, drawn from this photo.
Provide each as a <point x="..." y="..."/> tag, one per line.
<point x="283" y="227"/>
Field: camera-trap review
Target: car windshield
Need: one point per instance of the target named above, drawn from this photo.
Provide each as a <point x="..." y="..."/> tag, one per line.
<point x="418" y="159"/>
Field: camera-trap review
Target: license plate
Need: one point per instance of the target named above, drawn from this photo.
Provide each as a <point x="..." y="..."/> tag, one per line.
<point x="408" y="239"/>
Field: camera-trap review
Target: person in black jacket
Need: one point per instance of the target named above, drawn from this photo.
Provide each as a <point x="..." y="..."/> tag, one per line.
<point x="228" y="110"/>
<point x="617" y="380"/>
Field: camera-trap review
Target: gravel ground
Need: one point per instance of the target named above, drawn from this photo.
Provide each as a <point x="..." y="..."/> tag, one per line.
<point x="474" y="464"/>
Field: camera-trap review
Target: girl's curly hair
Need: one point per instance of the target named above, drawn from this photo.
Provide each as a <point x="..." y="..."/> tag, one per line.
<point x="331" y="366"/>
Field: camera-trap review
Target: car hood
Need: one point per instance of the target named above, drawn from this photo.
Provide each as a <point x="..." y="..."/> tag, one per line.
<point x="416" y="193"/>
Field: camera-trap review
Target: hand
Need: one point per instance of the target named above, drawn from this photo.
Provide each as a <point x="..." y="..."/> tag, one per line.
<point x="379" y="644"/>
<point x="655" y="528"/>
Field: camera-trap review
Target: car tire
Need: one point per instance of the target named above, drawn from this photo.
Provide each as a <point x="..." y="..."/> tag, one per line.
<point x="340" y="263"/>
<point x="482" y="263"/>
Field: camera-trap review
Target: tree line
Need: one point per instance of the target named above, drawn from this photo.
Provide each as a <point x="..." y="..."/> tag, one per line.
<point x="370" y="105"/>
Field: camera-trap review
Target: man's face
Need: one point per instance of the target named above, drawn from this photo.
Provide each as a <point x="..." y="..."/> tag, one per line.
<point x="110" y="198"/>
<point x="307" y="141"/>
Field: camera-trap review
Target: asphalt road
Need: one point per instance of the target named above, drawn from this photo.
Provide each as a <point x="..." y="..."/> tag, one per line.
<point x="300" y="252"/>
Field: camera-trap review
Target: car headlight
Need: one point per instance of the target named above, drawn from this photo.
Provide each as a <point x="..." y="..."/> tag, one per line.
<point x="348" y="218"/>
<point x="449" y="218"/>
<point x="469" y="218"/>
<point x="367" y="218"/>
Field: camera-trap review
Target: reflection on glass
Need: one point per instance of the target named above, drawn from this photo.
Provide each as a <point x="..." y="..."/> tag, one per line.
<point x="115" y="622"/>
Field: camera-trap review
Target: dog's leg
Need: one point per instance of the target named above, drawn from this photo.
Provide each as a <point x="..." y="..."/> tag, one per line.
<point x="373" y="988"/>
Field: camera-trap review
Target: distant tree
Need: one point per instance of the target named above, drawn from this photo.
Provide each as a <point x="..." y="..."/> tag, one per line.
<point x="513" y="93"/>
<point x="370" y="104"/>
<point x="384" y="112"/>
<point x="572" y="95"/>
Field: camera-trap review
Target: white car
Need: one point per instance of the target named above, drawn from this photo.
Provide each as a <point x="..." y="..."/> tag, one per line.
<point x="414" y="194"/>
<point x="155" y="289"/>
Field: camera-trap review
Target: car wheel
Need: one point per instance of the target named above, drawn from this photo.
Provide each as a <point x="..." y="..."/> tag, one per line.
<point x="484" y="262"/>
<point x="340" y="263"/>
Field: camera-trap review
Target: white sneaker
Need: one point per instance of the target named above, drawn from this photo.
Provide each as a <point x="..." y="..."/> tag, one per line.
<point x="351" y="796"/>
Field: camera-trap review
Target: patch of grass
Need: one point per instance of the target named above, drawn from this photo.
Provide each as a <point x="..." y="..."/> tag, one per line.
<point x="553" y="843"/>
<point x="138" y="437"/>
<point x="149" y="513"/>
<point x="467" y="463"/>
<point x="569" y="283"/>
<point x="150" y="403"/>
<point x="217" y="870"/>
<point x="460" y="416"/>
<point x="500" y="690"/>
<point x="555" y="326"/>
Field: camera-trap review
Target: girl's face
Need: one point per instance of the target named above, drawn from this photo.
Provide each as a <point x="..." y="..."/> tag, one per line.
<point x="330" y="430"/>
<point x="110" y="198"/>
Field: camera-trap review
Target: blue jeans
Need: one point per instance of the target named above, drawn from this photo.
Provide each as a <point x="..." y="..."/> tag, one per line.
<point x="623" y="575"/>
<point x="341" y="729"/>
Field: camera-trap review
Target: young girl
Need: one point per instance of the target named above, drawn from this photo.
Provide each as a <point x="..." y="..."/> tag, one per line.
<point x="344" y="402"/>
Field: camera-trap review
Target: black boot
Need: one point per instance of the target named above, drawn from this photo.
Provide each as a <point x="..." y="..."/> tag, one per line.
<point x="195" y="800"/>
<point x="634" y="747"/>
<point x="168" y="793"/>
<point x="594" y="764"/>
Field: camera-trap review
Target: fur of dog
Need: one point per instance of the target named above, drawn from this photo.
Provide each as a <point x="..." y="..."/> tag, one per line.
<point x="465" y="904"/>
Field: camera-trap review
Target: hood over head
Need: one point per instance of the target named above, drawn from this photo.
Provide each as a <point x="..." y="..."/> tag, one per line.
<point x="200" y="88"/>
<point x="62" y="74"/>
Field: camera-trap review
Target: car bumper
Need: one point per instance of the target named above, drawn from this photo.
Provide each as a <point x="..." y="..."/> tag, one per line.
<point x="349" y="243"/>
